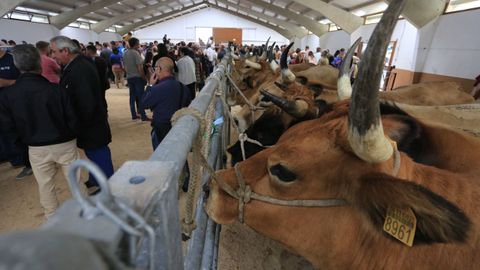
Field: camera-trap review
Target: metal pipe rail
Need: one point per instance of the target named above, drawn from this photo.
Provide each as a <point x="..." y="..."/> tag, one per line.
<point x="200" y="246"/>
<point x="149" y="187"/>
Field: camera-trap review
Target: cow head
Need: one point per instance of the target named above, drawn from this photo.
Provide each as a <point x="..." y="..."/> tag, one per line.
<point x="248" y="76"/>
<point x="293" y="103"/>
<point x="348" y="154"/>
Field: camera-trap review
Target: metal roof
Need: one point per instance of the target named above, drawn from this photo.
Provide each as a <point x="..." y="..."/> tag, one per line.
<point x="292" y="17"/>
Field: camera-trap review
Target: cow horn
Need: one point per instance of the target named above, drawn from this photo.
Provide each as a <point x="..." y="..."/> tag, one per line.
<point x="270" y="55"/>
<point x="264" y="53"/>
<point x="282" y="86"/>
<point x="253" y="65"/>
<point x="271" y="60"/>
<point x="344" y="88"/>
<point x="287" y="74"/>
<point x="234" y="56"/>
<point x="297" y="108"/>
<point x="365" y="130"/>
<point x="274" y="66"/>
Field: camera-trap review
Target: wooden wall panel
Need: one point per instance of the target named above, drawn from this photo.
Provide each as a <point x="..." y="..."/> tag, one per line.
<point x="466" y="84"/>
<point x="224" y="35"/>
<point x="402" y="77"/>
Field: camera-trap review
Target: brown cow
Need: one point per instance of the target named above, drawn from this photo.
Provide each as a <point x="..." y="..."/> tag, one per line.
<point x="347" y="155"/>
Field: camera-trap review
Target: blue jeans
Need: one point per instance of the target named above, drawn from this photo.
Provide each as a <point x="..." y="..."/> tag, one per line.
<point x="102" y="157"/>
<point x="136" y="85"/>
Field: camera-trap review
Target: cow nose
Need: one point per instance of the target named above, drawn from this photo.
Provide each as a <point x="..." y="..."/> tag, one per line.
<point x="236" y="121"/>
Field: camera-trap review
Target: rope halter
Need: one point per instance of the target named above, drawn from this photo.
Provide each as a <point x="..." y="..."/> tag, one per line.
<point x="244" y="193"/>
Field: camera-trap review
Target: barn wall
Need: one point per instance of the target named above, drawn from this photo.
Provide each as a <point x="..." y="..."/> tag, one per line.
<point x="312" y="41"/>
<point x="450" y="46"/>
<point x="183" y="28"/>
<point x="85" y="36"/>
<point x="335" y="40"/>
<point x="447" y="48"/>
<point x="33" y="32"/>
<point x="30" y="32"/>
<point x="406" y="36"/>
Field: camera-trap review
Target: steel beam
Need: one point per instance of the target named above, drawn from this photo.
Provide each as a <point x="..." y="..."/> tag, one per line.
<point x="284" y="32"/>
<point x="65" y="18"/>
<point x="313" y="26"/>
<point x="344" y="19"/>
<point x="296" y="30"/>
<point x="7" y="5"/>
<point x="133" y="26"/>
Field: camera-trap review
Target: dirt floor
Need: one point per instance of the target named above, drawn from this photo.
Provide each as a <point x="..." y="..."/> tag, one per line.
<point x="20" y="208"/>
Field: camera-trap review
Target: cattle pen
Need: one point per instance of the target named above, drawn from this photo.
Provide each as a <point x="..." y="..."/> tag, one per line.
<point x="134" y="223"/>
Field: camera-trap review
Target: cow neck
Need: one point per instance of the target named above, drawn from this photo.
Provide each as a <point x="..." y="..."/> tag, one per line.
<point x="244" y="194"/>
<point x="252" y="107"/>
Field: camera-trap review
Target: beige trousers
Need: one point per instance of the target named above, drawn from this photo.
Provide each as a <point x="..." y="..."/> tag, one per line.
<point x="45" y="161"/>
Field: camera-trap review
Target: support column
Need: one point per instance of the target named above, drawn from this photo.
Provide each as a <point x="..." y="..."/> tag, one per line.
<point x="344" y="19"/>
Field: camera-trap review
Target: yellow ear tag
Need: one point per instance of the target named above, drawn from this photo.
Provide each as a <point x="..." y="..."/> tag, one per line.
<point x="401" y="224"/>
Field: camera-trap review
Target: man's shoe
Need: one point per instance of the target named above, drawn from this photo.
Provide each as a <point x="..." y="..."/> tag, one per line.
<point x="24" y="173"/>
<point x="147" y="119"/>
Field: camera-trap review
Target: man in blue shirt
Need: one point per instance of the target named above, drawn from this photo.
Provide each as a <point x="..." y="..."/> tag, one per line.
<point x="164" y="98"/>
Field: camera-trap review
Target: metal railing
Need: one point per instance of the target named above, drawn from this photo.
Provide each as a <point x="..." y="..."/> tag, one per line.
<point x="121" y="239"/>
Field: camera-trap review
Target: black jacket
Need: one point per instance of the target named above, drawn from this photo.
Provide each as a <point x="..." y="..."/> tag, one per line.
<point x="102" y="69"/>
<point x="80" y="80"/>
<point x="38" y="111"/>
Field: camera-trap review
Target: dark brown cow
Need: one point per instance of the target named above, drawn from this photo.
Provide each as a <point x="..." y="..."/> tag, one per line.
<point x="348" y="155"/>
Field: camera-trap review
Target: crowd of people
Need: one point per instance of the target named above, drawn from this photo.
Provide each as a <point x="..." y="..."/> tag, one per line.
<point x="52" y="97"/>
<point x="52" y="100"/>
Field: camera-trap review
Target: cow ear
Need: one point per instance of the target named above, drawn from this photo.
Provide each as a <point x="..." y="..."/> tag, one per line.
<point x="317" y="89"/>
<point x="438" y="220"/>
<point x="302" y="80"/>
<point x="403" y="129"/>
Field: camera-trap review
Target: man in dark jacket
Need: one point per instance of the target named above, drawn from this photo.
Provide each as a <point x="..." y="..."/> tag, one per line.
<point x="41" y="114"/>
<point x="80" y="80"/>
<point x="102" y="69"/>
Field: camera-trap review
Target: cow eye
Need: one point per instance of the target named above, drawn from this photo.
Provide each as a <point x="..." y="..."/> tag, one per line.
<point x="283" y="173"/>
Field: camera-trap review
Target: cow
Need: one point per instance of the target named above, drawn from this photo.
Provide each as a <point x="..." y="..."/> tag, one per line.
<point x="249" y="76"/>
<point x="362" y="166"/>
<point x="297" y="105"/>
